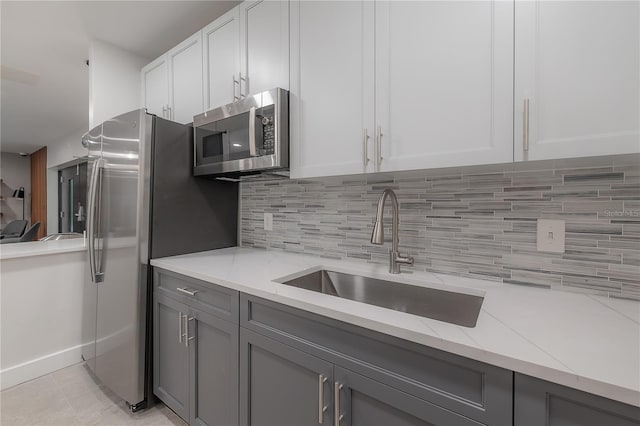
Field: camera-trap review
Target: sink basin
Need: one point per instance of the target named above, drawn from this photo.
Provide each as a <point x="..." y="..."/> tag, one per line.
<point x="456" y="308"/>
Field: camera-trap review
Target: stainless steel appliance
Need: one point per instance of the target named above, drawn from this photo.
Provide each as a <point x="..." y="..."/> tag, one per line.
<point x="246" y="136"/>
<point x="143" y="202"/>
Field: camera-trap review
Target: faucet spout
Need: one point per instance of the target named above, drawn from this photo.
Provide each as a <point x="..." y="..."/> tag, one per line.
<point x="377" y="236"/>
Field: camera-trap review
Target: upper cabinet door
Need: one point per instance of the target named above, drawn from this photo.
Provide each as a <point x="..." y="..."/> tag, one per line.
<point x="264" y="41"/>
<point x="332" y="88"/>
<point x="155" y="87"/>
<point x="185" y="79"/>
<point x="444" y="83"/>
<point x="577" y="64"/>
<point x="221" y="58"/>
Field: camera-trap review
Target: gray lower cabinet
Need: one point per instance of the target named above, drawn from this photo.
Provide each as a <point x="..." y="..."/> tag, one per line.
<point x="195" y="350"/>
<point x="282" y="386"/>
<point x="171" y="359"/>
<point x="407" y="382"/>
<point x="537" y="402"/>
<point x="213" y="376"/>
<point x="365" y="402"/>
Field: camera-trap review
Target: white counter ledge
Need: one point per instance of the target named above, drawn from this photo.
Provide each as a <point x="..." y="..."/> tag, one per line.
<point x="39" y="248"/>
<point x="590" y="343"/>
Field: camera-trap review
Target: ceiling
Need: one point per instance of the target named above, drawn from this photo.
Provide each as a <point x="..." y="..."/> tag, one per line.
<point x="44" y="90"/>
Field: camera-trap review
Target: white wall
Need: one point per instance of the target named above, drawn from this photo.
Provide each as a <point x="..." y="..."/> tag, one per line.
<point x="114" y="81"/>
<point x="40" y="315"/>
<point x="15" y="172"/>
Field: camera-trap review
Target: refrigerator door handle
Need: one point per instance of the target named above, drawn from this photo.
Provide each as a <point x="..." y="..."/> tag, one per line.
<point x="94" y="193"/>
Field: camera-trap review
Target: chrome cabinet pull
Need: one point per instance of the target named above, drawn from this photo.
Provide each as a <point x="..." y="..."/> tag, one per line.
<point x="240" y="80"/>
<point x="336" y="404"/>
<point x="525" y="126"/>
<point x="164" y="111"/>
<point x="365" y="150"/>
<point x="188" y="339"/>
<point x="379" y="145"/>
<point x="321" y="407"/>
<point x="169" y="112"/>
<point x="185" y="290"/>
<point x="235" y="82"/>
<point x="253" y="149"/>
<point x="179" y="327"/>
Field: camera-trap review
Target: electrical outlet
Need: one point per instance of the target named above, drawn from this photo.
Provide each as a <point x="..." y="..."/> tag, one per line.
<point x="268" y="221"/>
<point x="551" y="235"/>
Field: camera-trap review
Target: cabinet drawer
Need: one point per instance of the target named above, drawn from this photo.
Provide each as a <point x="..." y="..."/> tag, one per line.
<point x="210" y="298"/>
<point x="538" y="402"/>
<point x="476" y="390"/>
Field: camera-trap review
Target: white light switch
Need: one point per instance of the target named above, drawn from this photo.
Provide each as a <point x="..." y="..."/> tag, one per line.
<point x="551" y="235"/>
<point x="268" y="221"/>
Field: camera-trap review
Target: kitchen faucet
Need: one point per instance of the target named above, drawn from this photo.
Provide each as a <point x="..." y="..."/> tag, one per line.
<point x="377" y="236"/>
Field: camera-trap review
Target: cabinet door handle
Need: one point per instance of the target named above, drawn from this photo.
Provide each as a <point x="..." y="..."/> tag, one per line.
<point x="235" y="82"/>
<point x="188" y="339"/>
<point x="525" y="126"/>
<point x="379" y="145"/>
<point x="169" y="112"/>
<point x="337" y="417"/>
<point x="321" y="407"/>
<point x="179" y="327"/>
<point x="185" y="290"/>
<point x="365" y="150"/>
<point x="240" y="80"/>
<point x="164" y="111"/>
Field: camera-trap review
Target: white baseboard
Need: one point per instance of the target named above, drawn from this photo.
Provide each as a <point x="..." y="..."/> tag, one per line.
<point x="34" y="368"/>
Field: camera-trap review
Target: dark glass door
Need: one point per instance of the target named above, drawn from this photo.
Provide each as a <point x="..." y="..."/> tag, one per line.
<point x="72" y="198"/>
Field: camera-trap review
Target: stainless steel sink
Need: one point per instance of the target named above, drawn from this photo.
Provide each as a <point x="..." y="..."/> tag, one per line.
<point x="456" y="308"/>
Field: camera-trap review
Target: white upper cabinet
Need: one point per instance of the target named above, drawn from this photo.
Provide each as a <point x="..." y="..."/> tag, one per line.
<point x="444" y="83"/>
<point x="185" y="79"/>
<point x="577" y="65"/>
<point x="221" y="58"/>
<point x="246" y="51"/>
<point x="155" y="87"/>
<point x="264" y="44"/>
<point x="172" y="84"/>
<point x="332" y="88"/>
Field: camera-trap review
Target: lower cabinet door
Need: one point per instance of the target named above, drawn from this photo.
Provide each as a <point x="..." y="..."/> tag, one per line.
<point x="171" y="355"/>
<point x="213" y="351"/>
<point x="537" y="402"/>
<point x="365" y="402"/>
<point x="282" y="386"/>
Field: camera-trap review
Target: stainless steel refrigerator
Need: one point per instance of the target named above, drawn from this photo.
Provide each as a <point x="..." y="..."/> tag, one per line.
<point x="143" y="202"/>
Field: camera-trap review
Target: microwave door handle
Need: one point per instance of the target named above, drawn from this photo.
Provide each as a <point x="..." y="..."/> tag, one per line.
<point x="253" y="150"/>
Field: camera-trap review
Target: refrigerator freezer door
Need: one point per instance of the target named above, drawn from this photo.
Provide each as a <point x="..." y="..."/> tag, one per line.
<point x="93" y="142"/>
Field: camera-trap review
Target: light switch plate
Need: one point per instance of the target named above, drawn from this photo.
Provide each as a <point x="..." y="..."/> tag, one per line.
<point x="268" y="221"/>
<point x="551" y="235"/>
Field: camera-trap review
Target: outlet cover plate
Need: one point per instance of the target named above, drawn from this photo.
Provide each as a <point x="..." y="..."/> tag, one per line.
<point x="268" y="221"/>
<point x="551" y="235"/>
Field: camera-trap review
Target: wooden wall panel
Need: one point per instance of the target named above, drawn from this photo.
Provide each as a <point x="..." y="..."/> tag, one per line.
<point x="39" y="190"/>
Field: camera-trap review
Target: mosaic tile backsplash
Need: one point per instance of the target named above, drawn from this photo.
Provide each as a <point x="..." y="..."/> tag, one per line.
<point x="469" y="223"/>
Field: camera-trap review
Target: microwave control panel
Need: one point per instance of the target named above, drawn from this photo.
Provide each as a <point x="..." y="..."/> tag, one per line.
<point x="268" y="136"/>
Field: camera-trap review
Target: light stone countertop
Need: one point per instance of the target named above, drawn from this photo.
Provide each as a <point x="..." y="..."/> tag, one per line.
<point x="39" y="248"/>
<point x="590" y="343"/>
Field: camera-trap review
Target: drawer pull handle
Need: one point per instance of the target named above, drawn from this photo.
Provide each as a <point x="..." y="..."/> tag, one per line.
<point x="187" y="291"/>
<point x="180" y="334"/>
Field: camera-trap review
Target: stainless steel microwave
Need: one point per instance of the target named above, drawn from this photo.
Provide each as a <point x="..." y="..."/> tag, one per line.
<point x="249" y="135"/>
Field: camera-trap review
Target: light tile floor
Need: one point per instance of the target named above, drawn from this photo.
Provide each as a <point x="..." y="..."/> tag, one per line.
<point x="70" y="397"/>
